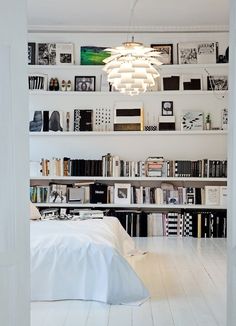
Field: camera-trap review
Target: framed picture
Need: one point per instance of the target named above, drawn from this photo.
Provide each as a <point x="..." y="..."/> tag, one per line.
<point x="122" y="193"/>
<point x="128" y="116"/>
<point x="170" y="83"/>
<point x="167" y="108"/>
<point x="192" y="121"/>
<point x="217" y="83"/>
<point x="64" y="54"/>
<point x="31" y="53"/>
<point x="191" y="82"/>
<point x="197" y="53"/>
<point x="93" y="55"/>
<point x="46" y="53"/>
<point x="166" y="52"/>
<point x="38" y="81"/>
<point x="85" y="83"/>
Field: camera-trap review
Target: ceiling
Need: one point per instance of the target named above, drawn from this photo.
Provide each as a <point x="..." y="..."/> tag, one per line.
<point x="110" y="15"/>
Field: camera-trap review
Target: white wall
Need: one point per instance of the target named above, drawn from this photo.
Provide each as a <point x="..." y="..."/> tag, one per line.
<point x="14" y="235"/>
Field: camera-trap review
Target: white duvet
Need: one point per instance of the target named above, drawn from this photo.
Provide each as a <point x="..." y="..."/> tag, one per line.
<point x="83" y="260"/>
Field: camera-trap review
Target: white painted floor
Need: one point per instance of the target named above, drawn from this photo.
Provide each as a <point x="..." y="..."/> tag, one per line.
<point x="187" y="281"/>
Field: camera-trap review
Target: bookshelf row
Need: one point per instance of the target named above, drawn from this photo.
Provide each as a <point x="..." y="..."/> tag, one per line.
<point x="131" y="206"/>
<point x="132" y="133"/>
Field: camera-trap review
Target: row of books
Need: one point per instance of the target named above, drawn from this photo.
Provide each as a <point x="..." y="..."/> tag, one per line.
<point x="191" y="223"/>
<point x="126" y="194"/>
<point x="112" y="166"/>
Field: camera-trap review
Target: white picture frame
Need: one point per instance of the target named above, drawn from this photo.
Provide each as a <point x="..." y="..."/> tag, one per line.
<point x="64" y="53"/>
<point x="122" y="193"/>
<point x="192" y="120"/>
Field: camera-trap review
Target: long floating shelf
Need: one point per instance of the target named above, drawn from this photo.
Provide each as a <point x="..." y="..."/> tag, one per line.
<point x="130" y="133"/>
<point x="181" y="179"/>
<point x="98" y="93"/>
<point x="99" y="67"/>
<point x="137" y="206"/>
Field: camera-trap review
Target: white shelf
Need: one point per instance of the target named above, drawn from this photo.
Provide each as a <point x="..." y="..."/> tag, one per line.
<point x="130" y="133"/>
<point x="129" y="179"/>
<point x="99" y="67"/>
<point x="133" y="206"/>
<point x="99" y="93"/>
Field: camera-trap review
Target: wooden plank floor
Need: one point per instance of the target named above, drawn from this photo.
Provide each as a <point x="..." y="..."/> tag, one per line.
<point x="187" y="281"/>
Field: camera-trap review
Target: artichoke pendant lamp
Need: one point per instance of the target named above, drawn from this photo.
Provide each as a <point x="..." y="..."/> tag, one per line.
<point x="132" y="68"/>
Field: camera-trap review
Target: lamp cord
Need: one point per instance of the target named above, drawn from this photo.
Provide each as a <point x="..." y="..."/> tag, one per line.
<point x="131" y="20"/>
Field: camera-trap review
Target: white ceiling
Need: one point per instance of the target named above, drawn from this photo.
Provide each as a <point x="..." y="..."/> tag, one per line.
<point x="114" y="15"/>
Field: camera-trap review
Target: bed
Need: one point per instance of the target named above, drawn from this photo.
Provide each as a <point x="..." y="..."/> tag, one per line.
<point x="83" y="260"/>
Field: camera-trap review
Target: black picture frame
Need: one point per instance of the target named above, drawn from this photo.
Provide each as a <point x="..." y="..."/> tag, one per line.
<point x="167" y="108"/>
<point x="85" y="84"/>
<point x="166" y="55"/>
<point x="31" y="53"/>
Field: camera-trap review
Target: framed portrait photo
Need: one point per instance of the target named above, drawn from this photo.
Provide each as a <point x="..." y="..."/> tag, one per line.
<point x="167" y="108"/>
<point x="166" y="52"/>
<point x="122" y="193"/>
<point x="85" y="83"/>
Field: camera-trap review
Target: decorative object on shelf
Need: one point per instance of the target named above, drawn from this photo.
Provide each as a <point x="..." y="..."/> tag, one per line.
<point x="166" y="123"/>
<point x="31" y="53"/>
<point x="165" y="51"/>
<point x="208" y="122"/>
<point x="55" y="121"/>
<point x="54" y="85"/>
<point x="197" y="53"/>
<point x="64" y="54"/>
<point x="98" y="193"/>
<point x="46" y="53"/>
<point x="69" y="86"/>
<point x="37" y="81"/>
<point x="151" y="124"/>
<point x="36" y="123"/>
<point x="217" y="82"/>
<point x="58" y="193"/>
<point x="76" y="195"/>
<point x="105" y="85"/>
<point x="85" y="83"/>
<point x="122" y="193"/>
<point x="192" y="120"/>
<point x="103" y="119"/>
<point x="224" y="119"/>
<point x="93" y="55"/>
<point x="83" y="120"/>
<point x="128" y="116"/>
<point x="63" y="85"/>
<point x="191" y="82"/>
<point x="170" y="83"/>
<point x="167" y="108"/>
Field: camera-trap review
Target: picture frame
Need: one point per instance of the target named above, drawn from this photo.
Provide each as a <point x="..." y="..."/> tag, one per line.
<point x="191" y="82"/>
<point x="122" y="193"/>
<point x="166" y="53"/>
<point x="170" y="82"/>
<point x="217" y="83"/>
<point x="93" y="55"/>
<point x="192" y="120"/>
<point x="128" y="116"/>
<point x="197" y="53"/>
<point x="46" y="53"/>
<point x="167" y="108"/>
<point x="31" y="53"/>
<point x="38" y="82"/>
<point x="64" y="53"/>
<point x="224" y="119"/>
<point x="85" y="83"/>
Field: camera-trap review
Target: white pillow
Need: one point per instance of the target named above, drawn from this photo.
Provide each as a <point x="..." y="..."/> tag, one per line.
<point x="34" y="212"/>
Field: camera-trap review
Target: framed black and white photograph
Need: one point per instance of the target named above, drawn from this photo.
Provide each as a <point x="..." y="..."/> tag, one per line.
<point x="64" y="54"/>
<point x="31" y="53"/>
<point x="38" y="82"/>
<point x="46" y="53"/>
<point x="167" y="108"/>
<point x="217" y="83"/>
<point x="122" y="193"/>
<point x="197" y="53"/>
<point x="85" y="83"/>
<point x="166" y="52"/>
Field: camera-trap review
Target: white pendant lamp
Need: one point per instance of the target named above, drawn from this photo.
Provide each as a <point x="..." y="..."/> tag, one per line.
<point x="131" y="67"/>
